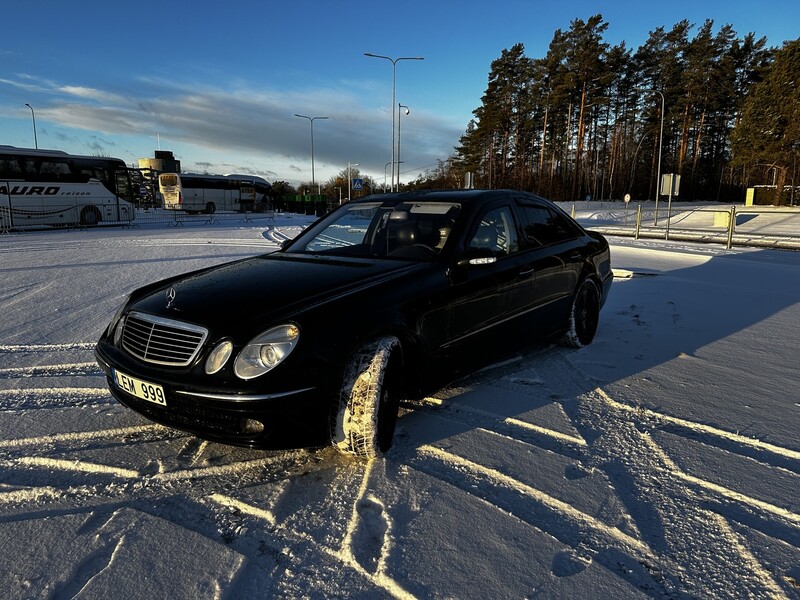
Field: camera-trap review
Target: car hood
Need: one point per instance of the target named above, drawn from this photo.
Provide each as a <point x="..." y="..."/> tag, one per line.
<point x="264" y="287"/>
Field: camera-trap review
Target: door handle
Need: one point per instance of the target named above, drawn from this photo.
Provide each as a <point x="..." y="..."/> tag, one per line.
<point x="526" y="271"/>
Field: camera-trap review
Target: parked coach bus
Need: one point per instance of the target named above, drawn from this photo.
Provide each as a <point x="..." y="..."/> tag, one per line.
<point x="50" y="187"/>
<point x="195" y="193"/>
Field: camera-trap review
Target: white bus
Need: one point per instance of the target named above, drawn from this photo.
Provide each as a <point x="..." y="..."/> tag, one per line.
<point x="195" y="193"/>
<point x="51" y="187"/>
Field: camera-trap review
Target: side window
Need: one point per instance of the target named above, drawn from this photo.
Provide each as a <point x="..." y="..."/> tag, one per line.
<point x="10" y="169"/>
<point x="55" y="171"/>
<point x="89" y="172"/>
<point x="497" y="232"/>
<point x="543" y="226"/>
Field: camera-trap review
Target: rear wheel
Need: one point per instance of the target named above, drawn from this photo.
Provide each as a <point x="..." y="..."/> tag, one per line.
<point x="369" y="400"/>
<point x="90" y="216"/>
<point x="584" y="316"/>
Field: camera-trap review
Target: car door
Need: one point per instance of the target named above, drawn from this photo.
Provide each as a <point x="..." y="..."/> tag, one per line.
<point x="491" y="288"/>
<point x="554" y="249"/>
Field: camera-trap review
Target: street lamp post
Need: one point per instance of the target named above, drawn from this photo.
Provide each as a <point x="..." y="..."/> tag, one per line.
<point x="660" y="143"/>
<point x="33" y="116"/>
<point x="399" y="106"/>
<point x="349" y="181"/>
<point x="386" y="166"/>
<point x="394" y="62"/>
<point x="311" y="120"/>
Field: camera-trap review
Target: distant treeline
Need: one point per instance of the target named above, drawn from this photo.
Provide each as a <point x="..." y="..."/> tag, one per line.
<point x="586" y="119"/>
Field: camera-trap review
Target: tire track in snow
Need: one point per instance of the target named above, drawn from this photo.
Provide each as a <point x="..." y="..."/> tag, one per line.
<point x="665" y="506"/>
<point x="346" y="553"/>
<point x="507" y="423"/>
<point x="674" y="523"/>
<point x="35" y="348"/>
<point x="558" y="508"/>
<point x="53" y="398"/>
<point x="686" y="546"/>
<point x="192" y="482"/>
<point x="81" y="438"/>
<point x="12" y="295"/>
<point x="82" y="368"/>
<point x="744" y="444"/>
<point x="709" y="486"/>
<point x="22" y="395"/>
<point x="28" y="247"/>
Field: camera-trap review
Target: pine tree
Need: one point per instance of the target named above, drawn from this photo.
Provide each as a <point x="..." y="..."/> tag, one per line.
<point x="496" y="139"/>
<point x="586" y="118"/>
<point x="769" y="130"/>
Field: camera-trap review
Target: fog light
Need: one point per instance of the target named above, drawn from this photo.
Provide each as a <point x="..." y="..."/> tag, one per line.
<point x="252" y="426"/>
<point x="218" y="357"/>
<point x="118" y="331"/>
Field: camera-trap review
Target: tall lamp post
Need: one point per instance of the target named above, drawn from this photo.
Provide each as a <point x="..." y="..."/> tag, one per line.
<point x="408" y="112"/>
<point x="311" y="120"/>
<point x="33" y="116"/>
<point x="386" y="166"/>
<point x="660" y="143"/>
<point x="394" y="62"/>
<point x="349" y="181"/>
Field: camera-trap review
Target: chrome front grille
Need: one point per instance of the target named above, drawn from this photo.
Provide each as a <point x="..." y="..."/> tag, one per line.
<point x="162" y="341"/>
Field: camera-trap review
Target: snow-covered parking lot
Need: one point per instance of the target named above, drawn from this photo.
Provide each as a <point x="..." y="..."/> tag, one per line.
<point x="661" y="461"/>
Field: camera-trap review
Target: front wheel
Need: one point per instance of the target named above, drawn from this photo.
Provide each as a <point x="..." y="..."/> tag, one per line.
<point x="584" y="316"/>
<point x="364" y="422"/>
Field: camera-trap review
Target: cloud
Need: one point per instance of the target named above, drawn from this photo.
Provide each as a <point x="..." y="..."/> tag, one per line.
<point x="90" y="94"/>
<point x="245" y="122"/>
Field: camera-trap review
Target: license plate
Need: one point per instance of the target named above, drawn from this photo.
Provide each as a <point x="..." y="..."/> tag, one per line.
<point x="144" y="390"/>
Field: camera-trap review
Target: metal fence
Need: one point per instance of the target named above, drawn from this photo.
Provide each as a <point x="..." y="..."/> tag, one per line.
<point x="729" y="225"/>
<point x="176" y="218"/>
<point x="759" y="226"/>
<point x="75" y="216"/>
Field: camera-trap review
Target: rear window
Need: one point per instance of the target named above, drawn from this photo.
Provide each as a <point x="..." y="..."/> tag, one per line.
<point x="169" y="179"/>
<point x="544" y="226"/>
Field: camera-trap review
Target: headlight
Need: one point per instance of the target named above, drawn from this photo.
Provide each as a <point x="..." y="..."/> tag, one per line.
<point x="267" y="351"/>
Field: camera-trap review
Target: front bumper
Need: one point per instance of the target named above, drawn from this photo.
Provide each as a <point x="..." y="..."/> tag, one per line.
<point x="295" y="418"/>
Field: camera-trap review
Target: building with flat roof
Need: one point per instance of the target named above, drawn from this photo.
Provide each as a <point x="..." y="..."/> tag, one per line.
<point x="163" y="162"/>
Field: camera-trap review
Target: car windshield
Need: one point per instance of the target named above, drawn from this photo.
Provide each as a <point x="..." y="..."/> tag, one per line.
<point x="407" y="230"/>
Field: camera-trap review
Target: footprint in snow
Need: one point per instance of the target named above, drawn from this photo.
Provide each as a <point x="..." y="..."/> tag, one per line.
<point x="567" y="564"/>
<point x="370" y="536"/>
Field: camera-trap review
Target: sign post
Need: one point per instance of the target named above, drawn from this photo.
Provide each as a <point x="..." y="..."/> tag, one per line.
<point x="670" y="186"/>
<point x="627" y="202"/>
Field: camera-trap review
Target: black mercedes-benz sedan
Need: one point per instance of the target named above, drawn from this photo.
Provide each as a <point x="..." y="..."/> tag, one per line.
<point x="317" y="342"/>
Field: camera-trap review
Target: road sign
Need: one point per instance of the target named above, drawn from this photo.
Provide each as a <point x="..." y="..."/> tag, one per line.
<point x="627" y="198"/>
<point x="670" y="184"/>
<point x="358" y="184"/>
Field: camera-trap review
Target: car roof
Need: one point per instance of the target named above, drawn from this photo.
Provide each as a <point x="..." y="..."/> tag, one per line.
<point x="460" y="196"/>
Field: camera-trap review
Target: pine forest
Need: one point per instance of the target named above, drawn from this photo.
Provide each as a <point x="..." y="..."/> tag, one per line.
<point x="592" y="120"/>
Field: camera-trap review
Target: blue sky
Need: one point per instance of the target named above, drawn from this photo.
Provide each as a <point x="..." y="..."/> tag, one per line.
<point x="219" y="83"/>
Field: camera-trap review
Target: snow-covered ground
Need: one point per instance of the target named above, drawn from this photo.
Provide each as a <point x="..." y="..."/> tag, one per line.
<point x="661" y="461"/>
